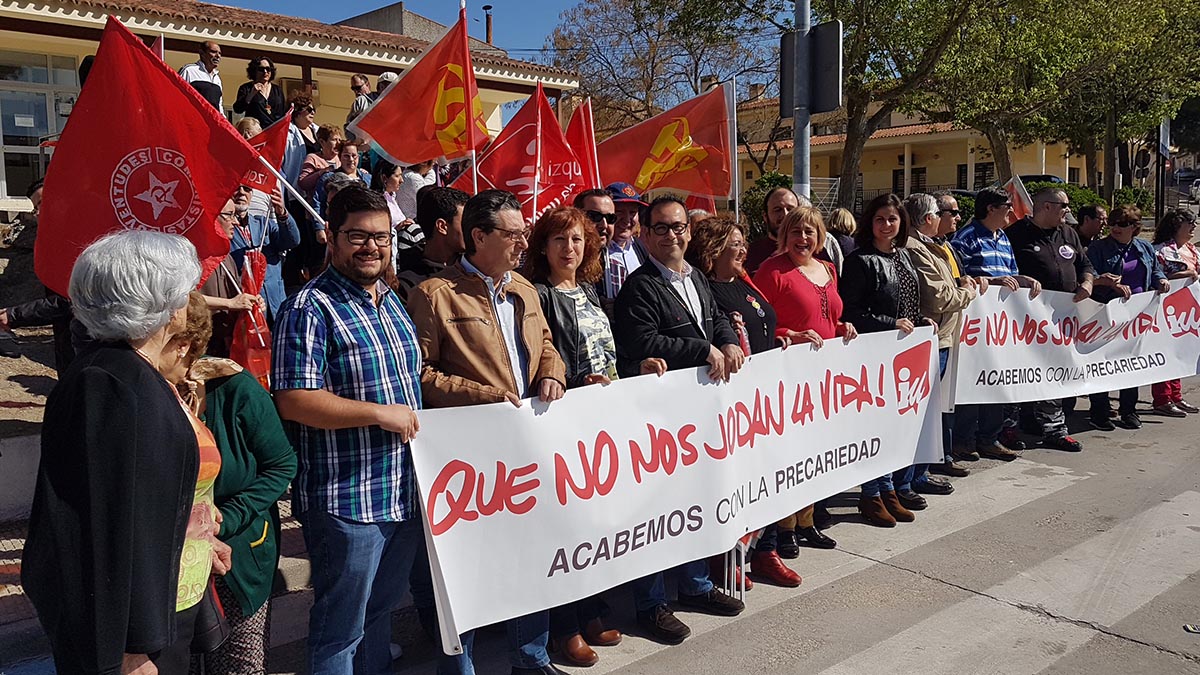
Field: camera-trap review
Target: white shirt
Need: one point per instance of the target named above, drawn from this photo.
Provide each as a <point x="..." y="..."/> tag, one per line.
<point x="196" y="72"/>
<point x="506" y="311"/>
<point x="406" y="195"/>
<point x="685" y="287"/>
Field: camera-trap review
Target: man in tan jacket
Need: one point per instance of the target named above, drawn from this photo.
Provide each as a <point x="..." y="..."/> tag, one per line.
<point x="945" y="293"/>
<point x="484" y="339"/>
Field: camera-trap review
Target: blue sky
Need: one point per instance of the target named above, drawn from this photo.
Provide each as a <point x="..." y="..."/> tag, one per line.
<point x="518" y="25"/>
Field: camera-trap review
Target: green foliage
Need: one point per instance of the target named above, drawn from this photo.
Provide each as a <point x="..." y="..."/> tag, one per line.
<point x="966" y="206"/>
<point x="1139" y="197"/>
<point x="752" y="201"/>
<point x="1078" y="196"/>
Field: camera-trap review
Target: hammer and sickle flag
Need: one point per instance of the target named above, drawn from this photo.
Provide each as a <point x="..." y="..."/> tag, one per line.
<point x="685" y="148"/>
<point x="433" y="110"/>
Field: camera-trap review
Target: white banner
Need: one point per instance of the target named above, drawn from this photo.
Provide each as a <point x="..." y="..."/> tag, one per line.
<point x="534" y="507"/>
<point x="1012" y="349"/>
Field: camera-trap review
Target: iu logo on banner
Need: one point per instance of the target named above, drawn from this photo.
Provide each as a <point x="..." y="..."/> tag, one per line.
<point x="142" y="150"/>
<point x="1181" y="313"/>
<point x="910" y="369"/>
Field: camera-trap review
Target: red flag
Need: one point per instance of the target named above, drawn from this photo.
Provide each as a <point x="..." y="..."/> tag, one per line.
<point x="433" y="110"/>
<point x="581" y="136"/>
<point x="1019" y="196"/>
<point x="251" y="344"/>
<point x="158" y="49"/>
<point x="685" y="148"/>
<point x="142" y="150"/>
<point x="702" y="202"/>
<point x="271" y="143"/>
<point x="531" y="159"/>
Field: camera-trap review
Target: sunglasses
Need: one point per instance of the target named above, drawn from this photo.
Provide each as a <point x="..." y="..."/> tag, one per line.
<point x="245" y="188"/>
<point x="953" y="212"/>
<point x="597" y="217"/>
<point x="1125" y="224"/>
<point x="264" y="69"/>
<point x="309" y="109"/>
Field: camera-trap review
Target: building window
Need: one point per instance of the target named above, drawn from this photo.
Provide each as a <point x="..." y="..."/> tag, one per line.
<point x="985" y="175"/>
<point x="960" y="181"/>
<point x="1073" y="175"/>
<point x="917" y="177"/>
<point x="749" y="174"/>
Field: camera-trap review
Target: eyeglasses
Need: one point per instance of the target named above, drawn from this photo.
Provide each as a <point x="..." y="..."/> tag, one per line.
<point x="661" y="229"/>
<point x="245" y="188"/>
<point x="264" y="69"/>
<point x="953" y="212"/>
<point x="227" y="215"/>
<point x="308" y="109"/>
<point x="359" y="238"/>
<point x="1005" y="205"/>
<point x="513" y="235"/>
<point x="1126" y="224"/>
<point x="597" y="217"/>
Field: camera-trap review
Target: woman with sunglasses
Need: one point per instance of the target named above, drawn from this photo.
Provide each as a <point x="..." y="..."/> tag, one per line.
<point x="302" y="137"/>
<point x="260" y="98"/>
<point x="1124" y="265"/>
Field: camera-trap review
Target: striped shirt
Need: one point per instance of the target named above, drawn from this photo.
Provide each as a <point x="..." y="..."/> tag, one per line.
<point x="984" y="253"/>
<point x="332" y="336"/>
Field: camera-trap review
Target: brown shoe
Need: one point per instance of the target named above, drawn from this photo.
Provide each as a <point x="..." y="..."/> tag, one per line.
<point x="998" y="450"/>
<point x="576" y="652"/>
<point x="874" y="512"/>
<point x="892" y="503"/>
<point x="964" y="453"/>
<point x="598" y="636"/>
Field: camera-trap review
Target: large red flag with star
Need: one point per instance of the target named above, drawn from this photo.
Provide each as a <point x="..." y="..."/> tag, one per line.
<point x="434" y="109"/>
<point x="142" y="150"/>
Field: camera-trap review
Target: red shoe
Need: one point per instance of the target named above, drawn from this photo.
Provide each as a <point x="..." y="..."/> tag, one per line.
<point x="716" y="574"/>
<point x="769" y="568"/>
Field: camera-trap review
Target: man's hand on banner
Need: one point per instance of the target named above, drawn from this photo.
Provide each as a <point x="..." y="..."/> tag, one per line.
<point x="734" y="358"/>
<point x="904" y="325"/>
<point x="716" y="364"/>
<point x="1084" y="291"/>
<point x="596" y="378"/>
<point x="399" y="419"/>
<point x="512" y="398"/>
<point x="653" y="366"/>
<point x="550" y="390"/>
<point x="1010" y="283"/>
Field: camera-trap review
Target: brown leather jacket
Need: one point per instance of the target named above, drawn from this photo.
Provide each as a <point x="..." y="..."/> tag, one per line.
<point x="466" y="361"/>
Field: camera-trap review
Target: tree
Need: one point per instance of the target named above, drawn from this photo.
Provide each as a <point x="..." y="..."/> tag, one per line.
<point x="1185" y="128"/>
<point x="637" y="58"/>
<point x="891" y="50"/>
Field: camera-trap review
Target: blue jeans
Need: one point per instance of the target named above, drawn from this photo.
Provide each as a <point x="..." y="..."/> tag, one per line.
<point x="922" y="475"/>
<point x="651" y="591"/>
<point x="527" y="639"/>
<point x="359" y="575"/>
<point x="873" y="488"/>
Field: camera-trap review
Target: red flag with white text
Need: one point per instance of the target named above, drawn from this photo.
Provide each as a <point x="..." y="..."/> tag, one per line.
<point x="531" y="159"/>
<point x="271" y="143"/>
<point x="581" y="136"/>
<point x="1019" y="196"/>
<point x="685" y="148"/>
<point x="434" y="109"/>
<point x="142" y="150"/>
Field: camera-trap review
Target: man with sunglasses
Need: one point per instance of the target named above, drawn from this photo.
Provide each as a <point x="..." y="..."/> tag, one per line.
<point x="206" y="70"/>
<point x="1048" y="249"/>
<point x="346" y="377"/>
<point x="667" y="310"/>
<point x="617" y="258"/>
<point x="484" y="339"/>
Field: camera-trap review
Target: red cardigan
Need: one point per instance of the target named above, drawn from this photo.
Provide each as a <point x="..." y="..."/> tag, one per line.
<point x="797" y="301"/>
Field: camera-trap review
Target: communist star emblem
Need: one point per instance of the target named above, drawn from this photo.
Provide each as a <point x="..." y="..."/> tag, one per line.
<point x="159" y="195"/>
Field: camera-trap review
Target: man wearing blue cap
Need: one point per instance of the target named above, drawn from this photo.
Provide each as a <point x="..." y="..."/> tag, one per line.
<point x="624" y="253"/>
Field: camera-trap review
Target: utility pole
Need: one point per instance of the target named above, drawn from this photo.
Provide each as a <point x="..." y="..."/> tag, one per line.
<point x="802" y="97"/>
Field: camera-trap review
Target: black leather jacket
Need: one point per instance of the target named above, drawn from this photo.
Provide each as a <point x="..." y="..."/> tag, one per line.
<point x="871" y="291"/>
<point x="564" y="326"/>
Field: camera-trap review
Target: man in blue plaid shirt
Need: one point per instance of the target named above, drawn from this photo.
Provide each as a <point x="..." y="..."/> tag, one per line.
<point x="346" y="376"/>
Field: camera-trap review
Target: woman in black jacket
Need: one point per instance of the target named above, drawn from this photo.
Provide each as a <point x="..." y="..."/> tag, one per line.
<point x="122" y="465"/>
<point x="881" y="291"/>
<point x="564" y="265"/>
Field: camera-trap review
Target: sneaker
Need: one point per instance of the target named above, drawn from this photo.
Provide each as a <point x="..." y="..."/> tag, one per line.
<point x="1010" y="439"/>
<point x="1170" y="410"/>
<point x="660" y="624"/>
<point x="1130" y="421"/>
<point x="911" y="500"/>
<point x="1064" y="443"/>
<point x="1101" y="422"/>
<point x="933" y="485"/>
<point x="1187" y="407"/>
<point x="950" y="468"/>
<point x="713" y="602"/>
<point x="964" y="454"/>
<point x="997" y="450"/>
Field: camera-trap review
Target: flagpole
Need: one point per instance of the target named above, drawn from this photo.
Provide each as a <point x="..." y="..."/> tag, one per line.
<point x="595" y="155"/>
<point x="736" y="184"/>
<point x="474" y="173"/>
<point x="537" y="161"/>
<point x="292" y="191"/>
<point x="470" y="103"/>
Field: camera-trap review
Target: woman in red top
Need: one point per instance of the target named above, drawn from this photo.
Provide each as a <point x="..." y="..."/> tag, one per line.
<point x="803" y="291"/>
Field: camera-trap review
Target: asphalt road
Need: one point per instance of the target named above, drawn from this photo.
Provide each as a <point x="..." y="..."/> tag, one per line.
<point x="1054" y="563"/>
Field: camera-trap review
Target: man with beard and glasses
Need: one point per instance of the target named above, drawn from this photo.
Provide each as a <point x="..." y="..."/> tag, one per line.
<point x="346" y="375"/>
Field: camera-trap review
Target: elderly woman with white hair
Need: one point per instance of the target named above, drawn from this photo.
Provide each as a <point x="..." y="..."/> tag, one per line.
<point x="122" y="536"/>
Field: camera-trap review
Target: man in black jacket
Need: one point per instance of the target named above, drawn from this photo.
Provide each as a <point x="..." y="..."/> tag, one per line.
<point x="666" y="310"/>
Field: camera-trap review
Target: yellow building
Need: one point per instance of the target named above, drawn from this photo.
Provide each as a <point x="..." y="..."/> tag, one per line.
<point x="903" y="157"/>
<point x="43" y="42"/>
